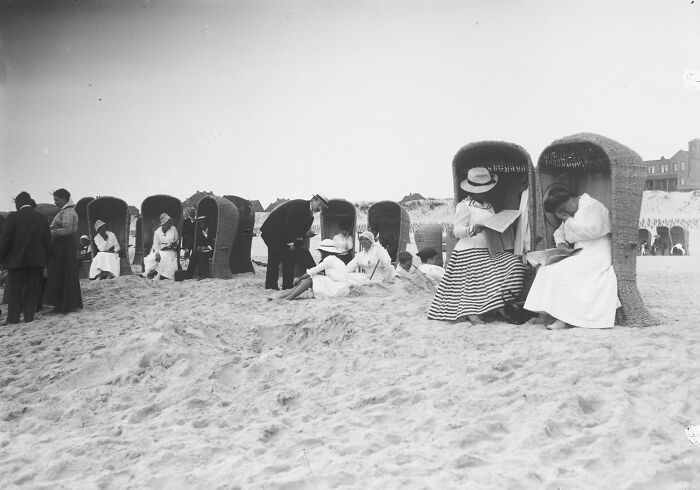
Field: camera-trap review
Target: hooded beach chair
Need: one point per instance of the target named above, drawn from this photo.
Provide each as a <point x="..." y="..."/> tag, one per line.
<point x="151" y="209"/>
<point x="679" y="235"/>
<point x="222" y="218"/>
<point x="614" y="175"/>
<point x="240" y="252"/>
<point x="49" y="211"/>
<point x="644" y="235"/>
<point x="430" y="235"/>
<point x="390" y="222"/>
<point x="339" y="212"/>
<point x="114" y="212"/>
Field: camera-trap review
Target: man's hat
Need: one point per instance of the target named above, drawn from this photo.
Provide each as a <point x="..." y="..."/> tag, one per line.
<point x="322" y="199"/>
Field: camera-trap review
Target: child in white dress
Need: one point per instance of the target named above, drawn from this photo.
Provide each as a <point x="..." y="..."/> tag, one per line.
<point x="333" y="284"/>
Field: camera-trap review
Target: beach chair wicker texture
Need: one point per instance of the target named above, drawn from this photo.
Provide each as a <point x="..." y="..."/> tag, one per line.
<point x="81" y="211"/>
<point x="338" y="211"/>
<point x="114" y="212"/>
<point x="429" y="235"/>
<point x="613" y="174"/>
<point x="242" y="244"/>
<point x="222" y="217"/>
<point x="151" y="209"/>
<point x="666" y="242"/>
<point x="47" y="210"/>
<point x="138" y="243"/>
<point x="679" y="235"/>
<point x="391" y="223"/>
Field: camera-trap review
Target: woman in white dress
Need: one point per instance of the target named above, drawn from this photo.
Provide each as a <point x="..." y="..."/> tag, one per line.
<point x="161" y="263"/>
<point x="105" y="264"/>
<point x="580" y="290"/>
<point x="344" y="242"/>
<point x="371" y="264"/>
<point x="334" y="282"/>
<point x="475" y="281"/>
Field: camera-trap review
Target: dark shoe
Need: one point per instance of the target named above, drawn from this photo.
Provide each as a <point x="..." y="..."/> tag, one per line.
<point x="275" y="288"/>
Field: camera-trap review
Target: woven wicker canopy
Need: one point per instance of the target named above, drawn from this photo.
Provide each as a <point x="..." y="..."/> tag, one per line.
<point x="222" y="217"/>
<point x="391" y="222"/>
<point x="240" y="253"/>
<point x="337" y="212"/>
<point x="113" y="211"/>
<point x="151" y="209"/>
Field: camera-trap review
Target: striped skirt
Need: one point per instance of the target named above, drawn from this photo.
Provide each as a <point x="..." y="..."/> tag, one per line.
<point x="476" y="282"/>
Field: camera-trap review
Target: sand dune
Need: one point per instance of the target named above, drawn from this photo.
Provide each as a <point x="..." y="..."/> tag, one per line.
<point x="209" y="385"/>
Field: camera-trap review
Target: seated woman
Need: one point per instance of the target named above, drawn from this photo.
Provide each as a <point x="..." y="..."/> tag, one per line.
<point x="105" y="264"/>
<point x="371" y="264"/>
<point x="161" y="263"/>
<point x="678" y="249"/>
<point x="331" y="285"/>
<point x="430" y="258"/>
<point x="580" y="290"/>
<point x="475" y="281"/>
<point x="344" y="242"/>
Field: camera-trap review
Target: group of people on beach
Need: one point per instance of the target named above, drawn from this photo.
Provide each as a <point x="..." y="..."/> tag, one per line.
<point x="478" y="283"/>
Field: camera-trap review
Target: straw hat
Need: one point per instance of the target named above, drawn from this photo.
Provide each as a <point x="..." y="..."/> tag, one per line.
<point x="164" y="218"/>
<point x="368" y="235"/>
<point x="322" y="199"/>
<point x="98" y="224"/>
<point x="328" y="245"/>
<point x="479" y="180"/>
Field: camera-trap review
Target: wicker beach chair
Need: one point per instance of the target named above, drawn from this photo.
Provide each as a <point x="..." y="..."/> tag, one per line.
<point x="81" y="211"/>
<point x="430" y="235"/>
<point x="644" y="235"/>
<point x="49" y="211"/>
<point x="151" y="209"/>
<point x="222" y="216"/>
<point x="679" y="235"/>
<point x="391" y="223"/>
<point x="240" y="252"/>
<point x="613" y="174"/>
<point x="113" y="211"/>
<point x="337" y="212"/>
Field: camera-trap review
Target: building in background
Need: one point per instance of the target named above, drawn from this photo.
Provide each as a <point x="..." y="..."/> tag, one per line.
<point x="681" y="172"/>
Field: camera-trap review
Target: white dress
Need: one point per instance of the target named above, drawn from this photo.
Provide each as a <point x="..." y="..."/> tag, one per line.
<point x="372" y="265"/>
<point x="580" y="290"/>
<point x="335" y="283"/>
<point x="168" y="258"/>
<point x="105" y="261"/>
<point x="432" y="272"/>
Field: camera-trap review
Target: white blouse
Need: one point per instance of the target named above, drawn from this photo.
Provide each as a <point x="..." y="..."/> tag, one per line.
<point x="343" y="243"/>
<point x="590" y="222"/>
<point x="333" y="267"/>
<point x="467" y="214"/>
<point x="374" y="263"/>
<point x="161" y="239"/>
<point x="104" y="245"/>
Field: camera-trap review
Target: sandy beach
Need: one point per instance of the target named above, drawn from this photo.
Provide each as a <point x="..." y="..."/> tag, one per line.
<point x="207" y="384"/>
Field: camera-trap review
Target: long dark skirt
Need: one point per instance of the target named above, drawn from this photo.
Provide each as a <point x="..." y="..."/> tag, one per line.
<point x="476" y="282"/>
<point x="63" y="282"/>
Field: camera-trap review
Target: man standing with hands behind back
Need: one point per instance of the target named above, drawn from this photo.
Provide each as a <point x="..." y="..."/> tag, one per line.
<point x="284" y="232"/>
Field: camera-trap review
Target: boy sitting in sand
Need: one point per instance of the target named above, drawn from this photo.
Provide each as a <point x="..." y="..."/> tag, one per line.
<point x="331" y="285"/>
<point x="404" y="266"/>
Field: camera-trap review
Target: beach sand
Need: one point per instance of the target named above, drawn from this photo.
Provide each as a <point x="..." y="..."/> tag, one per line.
<point x="207" y="384"/>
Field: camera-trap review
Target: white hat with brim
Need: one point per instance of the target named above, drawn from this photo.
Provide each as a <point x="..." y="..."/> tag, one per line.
<point x="328" y="245"/>
<point x="99" y="224"/>
<point x="479" y="180"/>
<point x="164" y="218"/>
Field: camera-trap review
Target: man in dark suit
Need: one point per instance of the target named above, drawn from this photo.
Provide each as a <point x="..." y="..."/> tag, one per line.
<point x="284" y="232"/>
<point x="23" y="249"/>
<point x="202" y="251"/>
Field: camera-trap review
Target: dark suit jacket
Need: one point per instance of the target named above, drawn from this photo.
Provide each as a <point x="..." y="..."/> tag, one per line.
<point x="25" y="240"/>
<point x="288" y="222"/>
<point x="203" y="241"/>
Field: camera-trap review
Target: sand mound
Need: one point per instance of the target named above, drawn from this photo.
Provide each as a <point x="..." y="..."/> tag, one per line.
<point x="207" y="384"/>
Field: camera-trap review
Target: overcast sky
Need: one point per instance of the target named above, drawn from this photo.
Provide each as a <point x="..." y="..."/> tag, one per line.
<point x="364" y="100"/>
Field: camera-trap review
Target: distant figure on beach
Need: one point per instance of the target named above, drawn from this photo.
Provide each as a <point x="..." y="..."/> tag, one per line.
<point x="678" y="249"/>
<point x="371" y="263"/>
<point x="643" y="248"/>
<point x="161" y="263"/>
<point x="203" y="250"/>
<point x="85" y="250"/>
<point x="284" y="232"/>
<point x="581" y="290"/>
<point x="475" y="281"/>
<point x="343" y="241"/>
<point x="430" y="258"/>
<point x="24" y="248"/>
<point x="63" y="280"/>
<point x="329" y="279"/>
<point x="105" y="264"/>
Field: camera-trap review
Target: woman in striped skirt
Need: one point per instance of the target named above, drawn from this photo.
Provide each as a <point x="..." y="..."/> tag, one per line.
<point x="476" y="282"/>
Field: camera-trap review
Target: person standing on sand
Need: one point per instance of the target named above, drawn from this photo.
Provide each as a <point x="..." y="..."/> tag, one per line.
<point x="284" y="232"/>
<point x="63" y="282"/>
<point x="24" y="250"/>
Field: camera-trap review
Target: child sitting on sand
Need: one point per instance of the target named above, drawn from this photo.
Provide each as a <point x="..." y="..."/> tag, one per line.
<point x="331" y="285"/>
<point x="430" y="258"/>
<point x="404" y="267"/>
